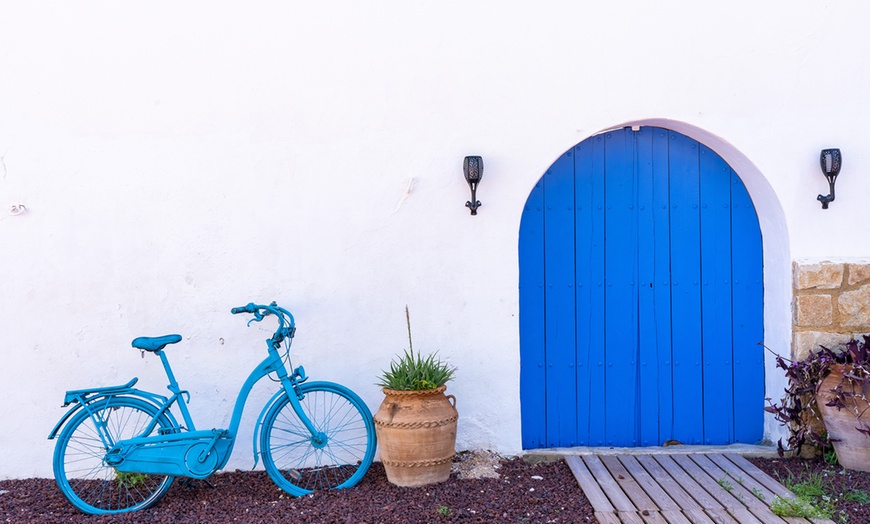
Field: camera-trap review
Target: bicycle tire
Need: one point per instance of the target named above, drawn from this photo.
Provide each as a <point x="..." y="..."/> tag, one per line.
<point x="294" y="459"/>
<point x="82" y="475"/>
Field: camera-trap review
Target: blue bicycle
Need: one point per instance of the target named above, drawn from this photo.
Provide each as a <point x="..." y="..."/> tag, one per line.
<point x="119" y="448"/>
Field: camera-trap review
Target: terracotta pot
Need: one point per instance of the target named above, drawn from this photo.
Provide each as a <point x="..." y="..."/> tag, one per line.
<point x="417" y="435"/>
<point x="852" y="446"/>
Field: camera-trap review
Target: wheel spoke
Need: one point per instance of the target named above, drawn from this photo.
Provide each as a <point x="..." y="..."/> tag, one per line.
<point x="339" y="460"/>
<point x="90" y="484"/>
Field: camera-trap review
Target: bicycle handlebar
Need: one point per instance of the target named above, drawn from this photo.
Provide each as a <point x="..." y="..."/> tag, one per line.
<point x="286" y="322"/>
<point x="243" y="309"/>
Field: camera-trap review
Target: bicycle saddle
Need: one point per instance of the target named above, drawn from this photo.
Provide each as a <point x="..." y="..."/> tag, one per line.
<point x="155" y="343"/>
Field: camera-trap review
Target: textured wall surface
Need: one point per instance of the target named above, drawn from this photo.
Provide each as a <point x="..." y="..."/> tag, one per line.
<point x="163" y="162"/>
<point x="831" y="303"/>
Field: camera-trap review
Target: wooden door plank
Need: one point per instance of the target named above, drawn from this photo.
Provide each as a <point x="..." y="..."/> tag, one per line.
<point x="744" y="478"/>
<point x="716" y="307"/>
<point x="652" y="394"/>
<point x="589" y="308"/>
<point x="608" y="484"/>
<point x="620" y="304"/>
<point x="629" y="485"/>
<point x="589" y="485"/>
<point x="559" y="328"/>
<point x="597" y="421"/>
<point x="532" y="372"/>
<point x="667" y="483"/>
<point x="649" y="484"/>
<point x="661" y="313"/>
<point x="686" y="289"/>
<point x="748" y="296"/>
<point x="696" y="491"/>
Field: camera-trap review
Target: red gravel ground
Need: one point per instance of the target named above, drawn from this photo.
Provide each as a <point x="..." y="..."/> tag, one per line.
<point x="517" y="496"/>
<point x="537" y="493"/>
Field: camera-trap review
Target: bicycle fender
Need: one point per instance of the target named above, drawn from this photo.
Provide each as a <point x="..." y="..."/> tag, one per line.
<point x="151" y="398"/>
<point x="259" y="423"/>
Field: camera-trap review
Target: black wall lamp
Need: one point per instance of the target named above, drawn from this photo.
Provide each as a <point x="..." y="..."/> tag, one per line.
<point x="830" y="161"/>
<point x="473" y="169"/>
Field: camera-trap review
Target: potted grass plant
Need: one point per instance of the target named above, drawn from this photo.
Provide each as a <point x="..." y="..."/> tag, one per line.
<point x="826" y="404"/>
<point x="416" y="422"/>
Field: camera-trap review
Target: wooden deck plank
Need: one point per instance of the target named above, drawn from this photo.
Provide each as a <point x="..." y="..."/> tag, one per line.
<point x="628" y="484"/>
<point x="676" y="517"/>
<point x="590" y="487"/>
<point x="607" y="517"/>
<point x="706" y="482"/>
<point x="652" y="488"/>
<point x="800" y="520"/>
<point x="721" y="516"/>
<point x="744" y="516"/>
<point x="679" y="489"/>
<point x="744" y="497"/>
<point x="744" y="478"/>
<point x="667" y="483"/>
<point x="608" y="484"/>
<point x="630" y="517"/>
<point x="654" y="517"/>
<point x="698" y="516"/>
<point x="769" y="482"/>
<point x="766" y="516"/>
<point x="701" y="496"/>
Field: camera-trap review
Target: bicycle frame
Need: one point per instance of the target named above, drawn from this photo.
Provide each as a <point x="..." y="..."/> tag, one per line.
<point x="184" y="450"/>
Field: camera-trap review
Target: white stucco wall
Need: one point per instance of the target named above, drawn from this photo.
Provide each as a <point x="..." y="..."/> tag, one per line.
<point x="176" y="160"/>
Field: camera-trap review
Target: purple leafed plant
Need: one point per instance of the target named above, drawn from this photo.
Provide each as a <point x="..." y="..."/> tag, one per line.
<point x="797" y="409"/>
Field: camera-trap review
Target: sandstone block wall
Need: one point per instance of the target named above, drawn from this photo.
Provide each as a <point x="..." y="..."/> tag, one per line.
<point x="831" y="304"/>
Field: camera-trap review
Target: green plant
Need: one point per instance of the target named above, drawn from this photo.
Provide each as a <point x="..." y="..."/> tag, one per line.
<point x="414" y="372"/>
<point x="444" y="511"/>
<point x="130" y="480"/>
<point x="860" y="496"/>
<point x="799" y="507"/>
<point x="811" y="485"/>
<point x="727" y="486"/>
<point x="758" y="494"/>
<point x="798" y="411"/>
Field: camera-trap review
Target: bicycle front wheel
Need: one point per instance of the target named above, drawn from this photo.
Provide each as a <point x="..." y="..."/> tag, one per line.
<point x="336" y="457"/>
<point x="85" y="479"/>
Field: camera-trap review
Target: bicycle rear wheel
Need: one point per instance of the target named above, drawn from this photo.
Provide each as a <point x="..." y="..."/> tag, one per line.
<point x="337" y="457"/>
<point x="85" y="479"/>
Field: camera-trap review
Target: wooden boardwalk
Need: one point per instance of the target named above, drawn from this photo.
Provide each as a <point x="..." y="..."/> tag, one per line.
<point x="679" y="489"/>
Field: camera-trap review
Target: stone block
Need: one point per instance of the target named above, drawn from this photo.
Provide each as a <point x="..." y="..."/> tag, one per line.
<point x="858" y="273"/>
<point x="822" y="275"/>
<point x="854" y="307"/>
<point x="814" y="310"/>
<point x="807" y="341"/>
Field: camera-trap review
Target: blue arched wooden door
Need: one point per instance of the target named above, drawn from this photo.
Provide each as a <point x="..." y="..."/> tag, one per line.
<point x="641" y="298"/>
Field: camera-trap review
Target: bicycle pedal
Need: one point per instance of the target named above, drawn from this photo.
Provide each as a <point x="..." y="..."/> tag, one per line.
<point x="294" y="474"/>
